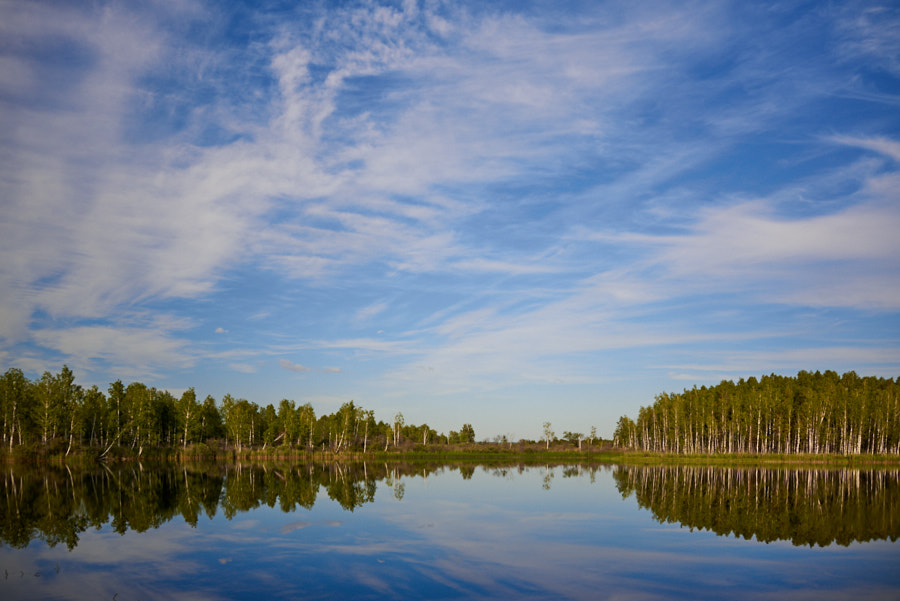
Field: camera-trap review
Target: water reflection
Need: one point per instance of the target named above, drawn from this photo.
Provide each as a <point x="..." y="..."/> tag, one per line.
<point x="805" y="506"/>
<point x="413" y="531"/>
<point x="56" y="504"/>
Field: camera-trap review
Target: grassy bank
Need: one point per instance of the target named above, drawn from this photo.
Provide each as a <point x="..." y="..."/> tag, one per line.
<point x="472" y="452"/>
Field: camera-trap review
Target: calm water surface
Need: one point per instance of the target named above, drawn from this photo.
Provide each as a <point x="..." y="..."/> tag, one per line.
<point x="378" y="531"/>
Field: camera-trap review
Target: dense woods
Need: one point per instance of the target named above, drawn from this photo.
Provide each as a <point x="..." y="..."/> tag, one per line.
<point x="58" y="415"/>
<point x="809" y="413"/>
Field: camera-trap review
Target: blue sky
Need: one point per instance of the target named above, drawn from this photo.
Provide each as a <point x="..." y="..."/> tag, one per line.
<point x="490" y="213"/>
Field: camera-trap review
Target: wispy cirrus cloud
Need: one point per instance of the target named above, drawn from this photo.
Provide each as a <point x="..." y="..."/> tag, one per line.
<point x="120" y="351"/>
<point x="511" y="193"/>
<point x="884" y="146"/>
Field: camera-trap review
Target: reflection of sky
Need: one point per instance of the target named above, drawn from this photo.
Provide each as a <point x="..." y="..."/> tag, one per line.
<point x="446" y="537"/>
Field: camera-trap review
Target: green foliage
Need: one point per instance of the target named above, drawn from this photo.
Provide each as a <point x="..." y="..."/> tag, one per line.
<point x="816" y="413"/>
<point x="812" y="413"/>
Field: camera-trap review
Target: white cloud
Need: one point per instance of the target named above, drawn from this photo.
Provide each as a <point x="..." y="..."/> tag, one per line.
<point x="432" y="153"/>
<point x="128" y="351"/>
<point x="128" y="221"/>
<point x="480" y="264"/>
<point x="881" y="145"/>
<point x="370" y="311"/>
<point x="871" y="34"/>
<point x="848" y="258"/>
<point x="95" y="225"/>
<point x="734" y="364"/>
<point x="295" y="367"/>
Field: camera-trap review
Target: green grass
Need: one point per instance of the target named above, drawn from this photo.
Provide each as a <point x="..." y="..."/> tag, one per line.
<point x="36" y="453"/>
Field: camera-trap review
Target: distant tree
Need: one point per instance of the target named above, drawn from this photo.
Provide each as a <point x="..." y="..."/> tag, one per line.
<point x="625" y="434"/>
<point x="368" y="418"/>
<point x="307" y="417"/>
<point x="14" y="397"/>
<point x="116" y="403"/>
<point x="398" y="425"/>
<point x="71" y="396"/>
<point x="271" y="426"/>
<point x="94" y="416"/>
<point x="164" y="426"/>
<point x="548" y="433"/>
<point x="290" y="422"/>
<point x="229" y="419"/>
<point x="46" y="407"/>
<point x="343" y="425"/>
<point x="574" y="438"/>
<point x="139" y="404"/>
<point x="211" y="425"/>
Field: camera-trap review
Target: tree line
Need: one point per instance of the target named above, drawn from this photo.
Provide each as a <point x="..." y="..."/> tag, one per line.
<point x="810" y="413"/>
<point x="56" y="413"/>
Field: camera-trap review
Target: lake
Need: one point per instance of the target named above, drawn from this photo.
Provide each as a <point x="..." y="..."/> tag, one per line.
<point x="130" y="532"/>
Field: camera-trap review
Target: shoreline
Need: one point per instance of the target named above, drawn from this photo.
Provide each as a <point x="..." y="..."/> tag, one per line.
<point x="477" y="453"/>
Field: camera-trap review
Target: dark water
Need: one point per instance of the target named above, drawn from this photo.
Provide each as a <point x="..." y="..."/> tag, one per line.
<point x="423" y="531"/>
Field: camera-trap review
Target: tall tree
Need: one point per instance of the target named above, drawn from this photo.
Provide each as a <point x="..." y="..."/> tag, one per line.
<point x="211" y="425"/>
<point x="94" y="417"/>
<point x="188" y="411"/>
<point x="14" y="396"/>
<point x="548" y="433"/>
<point x="46" y="408"/>
<point x="290" y="422"/>
<point x="116" y="401"/>
<point x="398" y="426"/>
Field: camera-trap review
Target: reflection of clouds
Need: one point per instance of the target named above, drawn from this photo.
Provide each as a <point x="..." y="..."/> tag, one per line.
<point x="377" y="581"/>
<point x="112" y="548"/>
<point x="299" y="525"/>
<point x="288" y="528"/>
<point x="106" y="565"/>
<point x="503" y="550"/>
<point x="504" y="538"/>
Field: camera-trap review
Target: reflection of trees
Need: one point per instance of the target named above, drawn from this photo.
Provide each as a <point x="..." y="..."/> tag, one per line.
<point x="57" y="503"/>
<point x="809" y="507"/>
<point x="805" y="506"/>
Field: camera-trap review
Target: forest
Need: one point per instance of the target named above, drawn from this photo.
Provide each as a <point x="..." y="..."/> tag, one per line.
<point x="58" y="416"/>
<point x="810" y="413"/>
